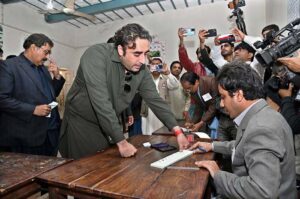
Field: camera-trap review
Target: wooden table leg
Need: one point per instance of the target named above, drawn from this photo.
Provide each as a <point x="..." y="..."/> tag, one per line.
<point x="55" y="194"/>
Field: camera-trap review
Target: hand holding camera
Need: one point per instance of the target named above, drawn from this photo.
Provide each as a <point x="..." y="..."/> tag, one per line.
<point x="156" y="68"/>
<point x="287" y="92"/>
<point x="161" y="68"/>
<point x="239" y="35"/>
<point x="293" y="63"/>
<point x="180" y="34"/>
<point x="202" y="36"/>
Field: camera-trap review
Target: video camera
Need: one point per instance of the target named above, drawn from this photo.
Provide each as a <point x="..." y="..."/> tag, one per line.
<point x="281" y="77"/>
<point x="272" y="49"/>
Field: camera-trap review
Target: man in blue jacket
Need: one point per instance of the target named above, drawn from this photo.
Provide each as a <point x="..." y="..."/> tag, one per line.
<point x="28" y="123"/>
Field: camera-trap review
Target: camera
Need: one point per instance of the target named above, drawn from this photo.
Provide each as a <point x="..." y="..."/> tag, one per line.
<point x="276" y="82"/>
<point x="236" y="4"/>
<point x="272" y="49"/>
<point x="226" y="38"/>
<point x="281" y="80"/>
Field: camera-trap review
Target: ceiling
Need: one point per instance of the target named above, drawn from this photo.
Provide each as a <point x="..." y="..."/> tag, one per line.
<point x="108" y="10"/>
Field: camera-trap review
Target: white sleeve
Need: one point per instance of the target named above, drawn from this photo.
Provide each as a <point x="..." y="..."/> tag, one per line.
<point x="216" y="56"/>
<point x="251" y="40"/>
<point x="172" y="82"/>
<point x="255" y="64"/>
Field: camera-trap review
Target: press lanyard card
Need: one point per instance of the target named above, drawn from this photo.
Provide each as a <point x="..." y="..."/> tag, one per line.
<point x="206" y="97"/>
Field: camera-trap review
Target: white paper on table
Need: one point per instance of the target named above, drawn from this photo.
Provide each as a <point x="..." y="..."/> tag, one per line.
<point x="202" y="135"/>
<point x="52" y="105"/>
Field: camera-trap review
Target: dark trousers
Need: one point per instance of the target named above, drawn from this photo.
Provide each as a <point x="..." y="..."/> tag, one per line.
<point x="48" y="148"/>
<point x="136" y="127"/>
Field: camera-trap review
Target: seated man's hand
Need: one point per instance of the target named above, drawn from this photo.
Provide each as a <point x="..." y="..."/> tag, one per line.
<point x="201" y="147"/>
<point x="126" y="149"/>
<point x="211" y="166"/>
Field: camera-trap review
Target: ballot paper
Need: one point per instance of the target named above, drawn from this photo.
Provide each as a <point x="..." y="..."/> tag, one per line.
<point x="52" y="105"/>
<point x="202" y="135"/>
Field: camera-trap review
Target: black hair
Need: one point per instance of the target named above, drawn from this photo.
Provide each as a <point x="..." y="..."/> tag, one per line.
<point x="175" y="62"/>
<point x="10" y="56"/>
<point x="37" y="39"/>
<point x="270" y="27"/>
<point x="190" y="77"/>
<point x="230" y="43"/>
<point x="237" y="75"/>
<point x="156" y="58"/>
<point x="206" y="47"/>
<point x="244" y="45"/>
<point x="127" y="35"/>
<point x="1" y="51"/>
<point x="111" y="40"/>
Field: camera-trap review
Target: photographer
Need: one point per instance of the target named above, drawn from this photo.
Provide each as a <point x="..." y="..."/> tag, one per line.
<point x="281" y="97"/>
<point x="150" y="122"/>
<point x="250" y="41"/>
<point x="188" y="65"/>
<point x="221" y="53"/>
<point x="206" y="60"/>
<point x="288" y="108"/>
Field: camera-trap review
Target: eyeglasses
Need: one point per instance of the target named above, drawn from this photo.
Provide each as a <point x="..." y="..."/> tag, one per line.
<point x="45" y="51"/>
<point x="128" y="77"/>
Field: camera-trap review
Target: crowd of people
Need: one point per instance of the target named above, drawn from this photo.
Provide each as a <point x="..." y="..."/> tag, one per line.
<point x="120" y="88"/>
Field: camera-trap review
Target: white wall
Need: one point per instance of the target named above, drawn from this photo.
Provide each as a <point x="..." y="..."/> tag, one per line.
<point x="19" y="21"/>
<point x="70" y="42"/>
<point x="166" y="24"/>
<point x="276" y="12"/>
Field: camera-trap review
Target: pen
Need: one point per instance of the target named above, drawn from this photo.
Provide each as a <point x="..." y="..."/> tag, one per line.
<point x="183" y="168"/>
<point x="201" y="149"/>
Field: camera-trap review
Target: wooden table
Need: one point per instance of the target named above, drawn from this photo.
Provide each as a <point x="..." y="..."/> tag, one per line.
<point x="106" y="174"/>
<point x="17" y="173"/>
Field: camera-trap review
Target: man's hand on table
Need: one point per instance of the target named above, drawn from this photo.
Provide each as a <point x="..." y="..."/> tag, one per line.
<point x="210" y="165"/>
<point x="126" y="149"/>
<point x="181" y="139"/>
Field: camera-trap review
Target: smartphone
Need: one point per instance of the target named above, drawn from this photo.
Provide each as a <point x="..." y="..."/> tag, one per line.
<point x="211" y="33"/>
<point x="163" y="147"/>
<point x="189" y="31"/>
<point x="159" y="68"/>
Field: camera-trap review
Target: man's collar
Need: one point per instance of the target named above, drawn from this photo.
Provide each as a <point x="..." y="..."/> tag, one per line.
<point x="115" y="56"/>
<point x="241" y="116"/>
<point x="27" y="60"/>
